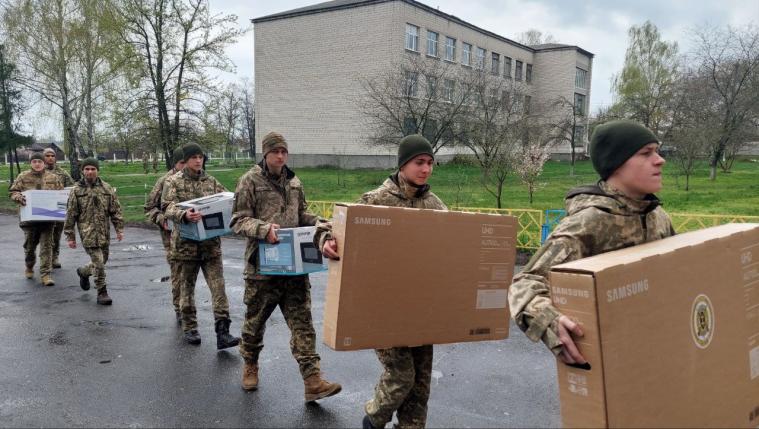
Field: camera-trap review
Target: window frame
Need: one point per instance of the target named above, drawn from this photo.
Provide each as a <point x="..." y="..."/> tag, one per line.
<point x="528" y="72"/>
<point x="507" y="70"/>
<point x="495" y="63"/>
<point x="480" y="60"/>
<point x="414" y="38"/>
<point x="518" y="70"/>
<point x="433" y="44"/>
<point x="452" y="57"/>
<point x="466" y="54"/>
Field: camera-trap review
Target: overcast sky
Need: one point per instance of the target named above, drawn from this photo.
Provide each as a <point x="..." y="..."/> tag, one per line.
<point x="594" y="25"/>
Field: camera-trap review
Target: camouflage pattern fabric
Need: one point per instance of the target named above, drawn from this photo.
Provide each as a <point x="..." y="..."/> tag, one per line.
<point x="32" y="180"/>
<point x="62" y="174"/>
<point x="96" y="267"/>
<point x="175" y="268"/>
<point x="404" y="386"/>
<point x="595" y="224"/>
<point x="260" y="201"/>
<point x="39" y="234"/>
<point x="293" y="296"/>
<point x="67" y="181"/>
<point x="91" y="207"/>
<point x="213" y="272"/>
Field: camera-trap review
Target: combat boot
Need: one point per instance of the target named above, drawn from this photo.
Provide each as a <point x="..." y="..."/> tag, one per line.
<point x="56" y="263"/>
<point x="103" y="298"/>
<point x="29" y="272"/>
<point x="84" y="281"/>
<point x="192" y="337"/>
<point x="178" y="315"/>
<point x="250" y="376"/>
<point x="318" y="388"/>
<point x="223" y="339"/>
<point x="47" y="280"/>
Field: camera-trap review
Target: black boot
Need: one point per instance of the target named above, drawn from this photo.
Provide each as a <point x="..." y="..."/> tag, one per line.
<point x="84" y="281"/>
<point x="223" y="339"/>
<point x="103" y="298"/>
<point x="192" y="337"/>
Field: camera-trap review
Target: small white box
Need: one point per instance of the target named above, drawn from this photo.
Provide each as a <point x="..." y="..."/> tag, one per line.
<point x="44" y="206"/>
<point x="217" y="213"/>
<point x="295" y="254"/>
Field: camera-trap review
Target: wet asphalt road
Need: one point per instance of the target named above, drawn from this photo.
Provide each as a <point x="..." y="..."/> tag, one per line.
<point x="65" y="361"/>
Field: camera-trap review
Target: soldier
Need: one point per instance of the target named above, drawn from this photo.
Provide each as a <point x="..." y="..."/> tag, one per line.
<point x="155" y="163"/>
<point x="404" y="386"/>
<point x="154" y="213"/>
<point x="52" y="167"/>
<point x="92" y="204"/>
<point x="145" y="162"/>
<point x="191" y="256"/>
<point x="268" y="197"/>
<point x="36" y="232"/>
<point x="621" y="210"/>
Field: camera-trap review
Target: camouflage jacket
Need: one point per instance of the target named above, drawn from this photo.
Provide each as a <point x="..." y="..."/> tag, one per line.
<point x="91" y="206"/>
<point x="184" y="186"/>
<point x="62" y="174"/>
<point x="153" y="210"/>
<point x="261" y="200"/>
<point x="600" y="219"/>
<point x="32" y="180"/>
<point x="394" y="192"/>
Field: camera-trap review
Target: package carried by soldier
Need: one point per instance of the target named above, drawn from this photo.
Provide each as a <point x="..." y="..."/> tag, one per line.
<point x="44" y="206"/>
<point x="295" y="254"/>
<point x="409" y="277"/>
<point x="217" y="213"/>
<point x="671" y="332"/>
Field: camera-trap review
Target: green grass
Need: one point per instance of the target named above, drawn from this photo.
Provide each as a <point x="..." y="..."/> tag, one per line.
<point x="734" y="193"/>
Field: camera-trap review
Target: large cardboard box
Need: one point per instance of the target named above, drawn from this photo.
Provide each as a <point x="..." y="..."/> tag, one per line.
<point x="44" y="206"/>
<point x="295" y="254"/>
<point x="217" y="213"/>
<point x="408" y="277"/>
<point x="671" y="332"/>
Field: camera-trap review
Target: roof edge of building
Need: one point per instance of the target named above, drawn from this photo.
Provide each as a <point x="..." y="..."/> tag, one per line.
<point x="565" y="48"/>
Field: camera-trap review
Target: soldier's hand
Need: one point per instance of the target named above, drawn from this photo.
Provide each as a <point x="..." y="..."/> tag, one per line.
<point x="165" y="225"/>
<point x="569" y="353"/>
<point x="330" y="249"/>
<point x="22" y="200"/>
<point x="193" y="216"/>
<point x="119" y="236"/>
<point x="271" y="237"/>
<point x="72" y="244"/>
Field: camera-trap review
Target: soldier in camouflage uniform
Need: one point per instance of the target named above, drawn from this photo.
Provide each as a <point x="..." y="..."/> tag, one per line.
<point x="619" y="211"/>
<point x="268" y="197"/>
<point x="65" y="177"/>
<point x="192" y="256"/>
<point x="404" y="386"/>
<point x="155" y="214"/>
<point x="36" y="232"/>
<point x="92" y="205"/>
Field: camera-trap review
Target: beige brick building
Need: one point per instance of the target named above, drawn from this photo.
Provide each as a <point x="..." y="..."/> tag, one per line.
<point x="310" y="62"/>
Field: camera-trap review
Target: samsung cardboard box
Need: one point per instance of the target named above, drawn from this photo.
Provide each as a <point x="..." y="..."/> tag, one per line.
<point x="217" y="213"/>
<point x="671" y="332"/>
<point x="44" y="206"/>
<point x="295" y="254"/>
<point x="409" y="277"/>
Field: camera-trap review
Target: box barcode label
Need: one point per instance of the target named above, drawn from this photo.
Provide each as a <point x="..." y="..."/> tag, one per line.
<point x="492" y="298"/>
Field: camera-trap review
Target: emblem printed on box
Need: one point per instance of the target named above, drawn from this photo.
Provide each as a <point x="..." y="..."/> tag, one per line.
<point x="702" y="321"/>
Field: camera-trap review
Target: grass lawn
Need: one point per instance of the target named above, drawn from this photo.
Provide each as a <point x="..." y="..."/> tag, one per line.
<point x="734" y="193"/>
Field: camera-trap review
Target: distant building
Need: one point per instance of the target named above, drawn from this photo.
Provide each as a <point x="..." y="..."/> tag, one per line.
<point x="309" y="63"/>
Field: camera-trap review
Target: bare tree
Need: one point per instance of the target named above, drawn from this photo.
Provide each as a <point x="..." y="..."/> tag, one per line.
<point x="567" y="125"/>
<point x="248" y="129"/>
<point x="534" y="37"/>
<point x="530" y="157"/>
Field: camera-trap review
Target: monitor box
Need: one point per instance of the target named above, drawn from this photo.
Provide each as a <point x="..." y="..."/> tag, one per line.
<point x="671" y="332"/>
<point x="44" y="206"/>
<point x="217" y="213"/>
<point x="295" y="254"/>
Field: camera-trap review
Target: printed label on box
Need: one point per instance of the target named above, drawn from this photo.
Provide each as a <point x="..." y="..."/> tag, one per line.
<point x="753" y="358"/>
<point x="492" y="298"/>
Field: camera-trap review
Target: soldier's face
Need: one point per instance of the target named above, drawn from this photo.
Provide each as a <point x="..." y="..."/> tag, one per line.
<point x="49" y="159"/>
<point x="195" y="163"/>
<point x="641" y="174"/>
<point x="276" y="158"/>
<point x="37" y="165"/>
<point x="179" y="166"/>
<point x="418" y="170"/>
<point x="90" y="173"/>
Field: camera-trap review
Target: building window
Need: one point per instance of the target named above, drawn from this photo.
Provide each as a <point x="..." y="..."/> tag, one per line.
<point x="432" y="43"/>
<point x="466" y="54"/>
<point x="412" y="37"/>
<point x="579" y="104"/>
<point x="507" y="67"/>
<point x="528" y="73"/>
<point x="518" y="71"/>
<point x="431" y="87"/>
<point x="495" y="64"/>
<point x="410" y="84"/>
<point x="579" y="136"/>
<point x="527" y="103"/>
<point x="581" y="78"/>
<point x="409" y="125"/>
<point x="506" y="100"/>
<point x="449" y="90"/>
<point x="450" y="49"/>
<point x="480" y="59"/>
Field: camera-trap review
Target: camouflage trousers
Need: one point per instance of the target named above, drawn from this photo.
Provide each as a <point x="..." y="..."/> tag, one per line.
<point x="39" y="234"/>
<point x="293" y="296"/>
<point x="96" y="267"/>
<point x="403" y="387"/>
<point x="176" y="278"/>
<point x="214" y="275"/>
<point x="57" y="233"/>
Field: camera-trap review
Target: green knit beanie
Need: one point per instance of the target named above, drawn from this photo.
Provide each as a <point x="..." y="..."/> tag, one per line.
<point x="191" y="149"/>
<point x="411" y="146"/>
<point x="36" y="155"/>
<point x="177" y="156"/>
<point x="90" y="161"/>
<point x="615" y="142"/>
